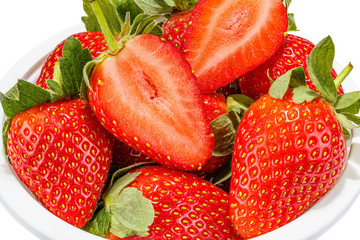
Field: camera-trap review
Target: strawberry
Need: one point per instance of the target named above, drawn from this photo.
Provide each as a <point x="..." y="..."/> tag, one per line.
<point x="292" y="53"/>
<point x="175" y="28"/>
<point x="146" y="95"/>
<point x="290" y="148"/>
<point x="62" y="154"/>
<point x="185" y="206"/>
<point x="229" y="38"/>
<point x="55" y="143"/>
<point x="215" y="105"/>
<point x="94" y="41"/>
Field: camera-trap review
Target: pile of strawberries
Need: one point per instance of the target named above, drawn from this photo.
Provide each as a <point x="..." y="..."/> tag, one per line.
<point x="212" y="124"/>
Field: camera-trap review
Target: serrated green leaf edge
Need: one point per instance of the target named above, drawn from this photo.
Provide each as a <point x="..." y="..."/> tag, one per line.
<point x="23" y="96"/>
<point x="320" y="63"/>
<point x="292" y="78"/>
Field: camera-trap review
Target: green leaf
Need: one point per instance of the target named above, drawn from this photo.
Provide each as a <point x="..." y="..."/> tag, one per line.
<point x="292" y="78"/>
<point x="292" y="25"/>
<point x="238" y="103"/>
<point x="353" y="109"/>
<point x="72" y="65"/>
<point x="353" y="118"/>
<point x="22" y="96"/>
<point x="346" y="100"/>
<point x="57" y="90"/>
<point x="347" y="134"/>
<point x="345" y="122"/>
<point x="224" y="129"/>
<point x="100" y="224"/>
<point x="109" y="8"/>
<point x="134" y="212"/>
<point x="5" y="134"/>
<point x="304" y="94"/>
<point x="154" y="7"/>
<point x="127" y="6"/>
<point x="118" y="186"/>
<point x="223" y="174"/>
<point x="320" y="63"/>
<point x="287" y="3"/>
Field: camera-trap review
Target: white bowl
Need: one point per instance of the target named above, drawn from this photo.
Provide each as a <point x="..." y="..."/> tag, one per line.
<point x="25" y="208"/>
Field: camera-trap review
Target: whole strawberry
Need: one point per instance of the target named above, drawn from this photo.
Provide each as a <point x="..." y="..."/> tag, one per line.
<point x="292" y="53"/>
<point x="185" y="206"/>
<point x="94" y="41"/>
<point x="62" y="154"/>
<point x="290" y="149"/>
<point x="174" y="29"/>
<point x="56" y="145"/>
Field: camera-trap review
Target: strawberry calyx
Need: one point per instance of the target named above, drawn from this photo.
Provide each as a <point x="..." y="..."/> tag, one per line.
<point x="320" y="64"/>
<point x="142" y="24"/>
<point x="125" y="212"/>
<point x="66" y="83"/>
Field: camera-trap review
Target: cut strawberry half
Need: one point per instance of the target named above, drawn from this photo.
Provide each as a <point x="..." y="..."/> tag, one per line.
<point x="147" y="96"/>
<point x="229" y="38"/>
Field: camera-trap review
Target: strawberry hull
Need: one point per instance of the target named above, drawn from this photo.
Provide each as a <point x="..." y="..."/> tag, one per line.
<point x="148" y="98"/>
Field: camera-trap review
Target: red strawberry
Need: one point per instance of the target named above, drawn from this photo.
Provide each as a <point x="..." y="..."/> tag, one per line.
<point x="292" y="53"/>
<point x="186" y="207"/>
<point x="147" y="96"/>
<point x="174" y="30"/>
<point x="290" y="148"/>
<point x="94" y="41"/>
<point x="62" y="154"/>
<point x="229" y="38"/>
<point x="215" y="105"/>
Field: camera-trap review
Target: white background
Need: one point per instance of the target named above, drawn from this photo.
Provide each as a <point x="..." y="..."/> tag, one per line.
<point x="25" y="24"/>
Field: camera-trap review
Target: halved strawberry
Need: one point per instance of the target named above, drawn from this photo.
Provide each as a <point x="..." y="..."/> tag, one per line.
<point x="147" y="96"/>
<point x="174" y="30"/>
<point x="229" y="38"/>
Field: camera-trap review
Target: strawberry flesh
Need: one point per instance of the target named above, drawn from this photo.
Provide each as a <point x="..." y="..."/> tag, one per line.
<point x="147" y="96"/>
<point x="229" y="38"/>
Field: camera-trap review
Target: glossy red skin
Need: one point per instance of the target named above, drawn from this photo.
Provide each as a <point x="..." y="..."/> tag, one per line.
<point x="62" y="154"/>
<point x="221" y="46"/>
<point x="174" y="30"/>
<point x="151" y="112"/>
<point x="186" y="206"/>
<point x="94" y="41"/>
<point x="291" y="54"/>
<point x="286" y="157"/>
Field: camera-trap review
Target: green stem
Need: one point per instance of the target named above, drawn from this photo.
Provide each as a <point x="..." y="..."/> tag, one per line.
<point x="344" y="73"/>
<point x="111" y="42"/>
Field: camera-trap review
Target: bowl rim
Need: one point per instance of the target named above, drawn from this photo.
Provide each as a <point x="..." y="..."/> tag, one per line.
<point x="21" y="204"/>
